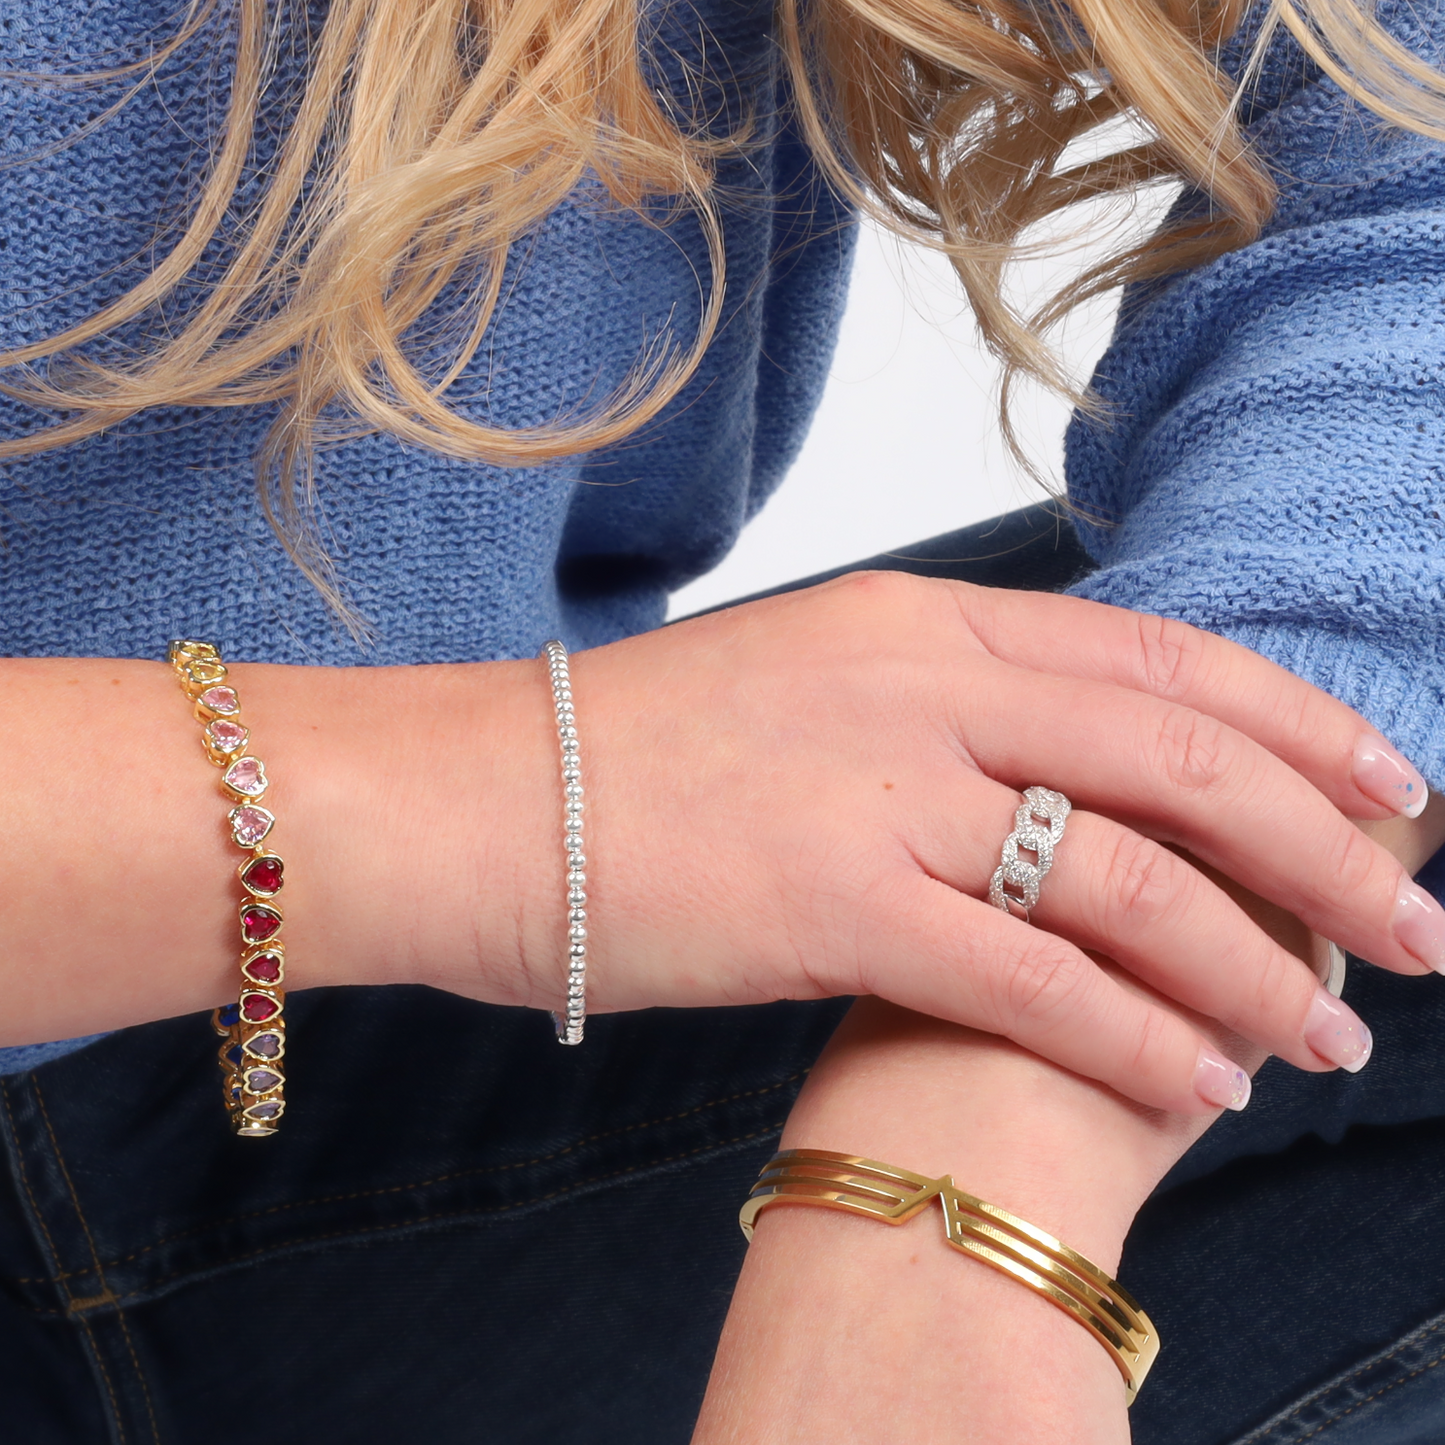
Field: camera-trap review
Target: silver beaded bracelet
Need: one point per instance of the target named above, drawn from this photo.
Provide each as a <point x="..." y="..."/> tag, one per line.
<point x="570" y="1024"/>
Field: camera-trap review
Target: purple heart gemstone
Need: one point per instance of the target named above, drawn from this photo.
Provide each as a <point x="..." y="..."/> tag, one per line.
<point x="269" y="1110"/>
<point x="262" y="1081"/>
<point x="265" y="1046"/>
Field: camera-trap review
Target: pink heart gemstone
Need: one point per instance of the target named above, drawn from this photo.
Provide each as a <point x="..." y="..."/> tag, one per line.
<point x="246" y="776"/>
<point x="221" y="699"/>
<point x="250" y="824"/>
<point x="226" y="737"/>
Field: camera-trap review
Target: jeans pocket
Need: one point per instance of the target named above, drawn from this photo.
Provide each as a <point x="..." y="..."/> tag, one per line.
<point x="1395" y="1397"/>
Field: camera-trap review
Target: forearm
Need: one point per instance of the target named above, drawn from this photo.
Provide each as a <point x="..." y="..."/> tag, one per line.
<point x="410" y="801"/>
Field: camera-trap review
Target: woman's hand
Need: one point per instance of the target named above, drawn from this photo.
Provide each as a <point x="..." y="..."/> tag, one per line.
<point x="841" y="1327"/>
<point x="807" y="796"/>
<point x="799" y="797"/>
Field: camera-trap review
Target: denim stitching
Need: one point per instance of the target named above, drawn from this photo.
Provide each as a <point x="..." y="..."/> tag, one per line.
<point x="1384" y="1390"/>
<point x="1371" y="1364"/>
<point x="354" y="1233"/>
<point x="62" y="1276"/>
<point x="439" y="1179"/>
<point x="95" y="1256"/>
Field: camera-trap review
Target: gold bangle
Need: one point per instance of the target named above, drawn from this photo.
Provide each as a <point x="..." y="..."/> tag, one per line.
<point x="989" y="1234"/>
<point x="253" y="1029"/>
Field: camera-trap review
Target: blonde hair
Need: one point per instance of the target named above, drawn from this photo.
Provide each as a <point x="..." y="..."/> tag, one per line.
<point x="433" y="134"/>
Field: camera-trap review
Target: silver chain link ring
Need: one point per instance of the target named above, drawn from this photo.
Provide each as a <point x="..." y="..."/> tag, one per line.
<point x="1038" y="826"/>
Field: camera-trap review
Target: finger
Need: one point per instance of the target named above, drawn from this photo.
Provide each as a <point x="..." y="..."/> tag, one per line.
<point x="1121" y="894"/>
<point x="933" y="950"/>
<point x="1117" y="893"/>
<point x="1331" y="744"/>
<point x="1184" y="777"/>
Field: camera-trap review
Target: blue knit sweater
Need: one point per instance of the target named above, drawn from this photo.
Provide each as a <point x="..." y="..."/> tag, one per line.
<point x="1272" y="468"/>
<point x="1274" y="463"/>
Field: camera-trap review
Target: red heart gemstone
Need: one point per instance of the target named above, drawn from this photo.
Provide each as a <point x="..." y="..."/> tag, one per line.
<point x="257" y="1007"/>
<point x="263" y="875"/>
<point x="258" y="923"/>
<point x="264" y="968"/>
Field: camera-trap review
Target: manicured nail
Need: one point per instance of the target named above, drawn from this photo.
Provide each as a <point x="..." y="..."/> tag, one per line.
<point x="1420" y="926"/>
<point x="1382" y="773"/>
<point x="1337" y="1033"/>
<point x="1220" y="1081"/>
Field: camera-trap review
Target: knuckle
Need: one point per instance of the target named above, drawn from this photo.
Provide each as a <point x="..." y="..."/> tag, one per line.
<point x="1193" y="751"/>
<point x="1170" y="654"/>
<point x="1353" y="863"/>
<point x="882" y="589"/>
<point x="1042" y="985"/>
<point x="1154" y="1047"/>
<point x="1142" y="880"/>
<point x="894" y="605"/>
<point x="1280" y="1000"/>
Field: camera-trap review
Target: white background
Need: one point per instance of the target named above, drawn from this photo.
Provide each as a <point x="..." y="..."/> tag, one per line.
<point x="906" y="443"/>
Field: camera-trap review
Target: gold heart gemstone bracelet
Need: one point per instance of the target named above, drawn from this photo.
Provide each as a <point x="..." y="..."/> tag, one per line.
<point x="253" y="1029"/>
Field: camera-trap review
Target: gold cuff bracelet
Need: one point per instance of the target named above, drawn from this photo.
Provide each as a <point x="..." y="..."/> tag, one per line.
<point x="984" y="1231"/>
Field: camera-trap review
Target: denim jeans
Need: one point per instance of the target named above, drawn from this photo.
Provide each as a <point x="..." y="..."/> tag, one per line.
<point x="465" y="1233"/>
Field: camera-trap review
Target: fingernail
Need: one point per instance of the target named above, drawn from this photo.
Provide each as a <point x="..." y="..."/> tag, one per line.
<point x="1420" y="926"/>
<point x="1337" y="1033"/>
<point x="1221" y="1081"/>
<point x="1383" y="774"/>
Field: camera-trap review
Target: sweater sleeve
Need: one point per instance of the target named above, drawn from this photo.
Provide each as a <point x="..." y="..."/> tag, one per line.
<point x="1271" y="465"/>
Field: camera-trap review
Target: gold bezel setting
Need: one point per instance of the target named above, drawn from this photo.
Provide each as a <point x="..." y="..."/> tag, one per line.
<point x="260" y="1031"/>
<point x="254" y="889"/>
<point x="251" y="792"/>
<point x="226" y="703"/>
<point x="272" y="996"/>
<point x="268" y="821"/>
<point x="253" y="1087"/>
<point x="259" y="905"/>
<point x="221" y="753"/>
<point x="265" y="950"/>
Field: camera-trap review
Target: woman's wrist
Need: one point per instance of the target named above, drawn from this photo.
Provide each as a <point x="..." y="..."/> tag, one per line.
<point x="413" y="805"/>
<point x="915" y="1328"/>
<point x="421" y="797"/>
